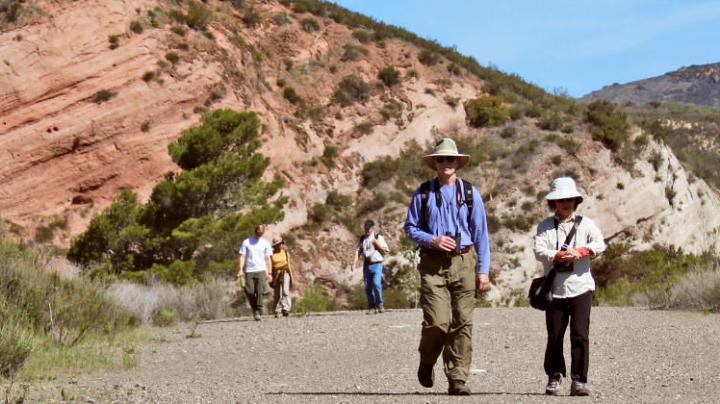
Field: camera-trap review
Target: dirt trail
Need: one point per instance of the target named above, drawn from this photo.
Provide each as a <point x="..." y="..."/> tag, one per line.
<point x="636" y="356"/>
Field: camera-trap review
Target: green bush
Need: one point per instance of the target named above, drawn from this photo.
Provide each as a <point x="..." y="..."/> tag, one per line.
<point x="291" y="95"/>
<point x="352" y="52"/>
<point x="328" y="156"/>
<point x="136" y="27"/>
<point x="389" y="76"/>
<point x="364" y="128"/>
<point x="172" y="57"/>
<point x="148" y="75"/>
<point x="608" y="124"/>
<point x="486" y="111"/>
<point x="313" y="300"/>
<point x="198" y="15"/>
<point x="310" y="24"/>
<point x="551" y="121"/>
<point x="16" y="344"/>
<point x="428" y="58"/>
<point x="251" y="17"/>
<point x="350" y="90"/>
<point x="114" y="41"/>
<point x="362" y="35"/>
<point x="508" y="132"/>
<point x="104" y="95"/>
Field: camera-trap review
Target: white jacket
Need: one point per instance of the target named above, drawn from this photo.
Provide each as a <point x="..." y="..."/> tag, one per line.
<point x="547" y="243"/>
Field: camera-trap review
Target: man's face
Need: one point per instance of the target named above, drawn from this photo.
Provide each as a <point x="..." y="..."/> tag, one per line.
<point x="368" y="230"/>
<point x="446" y="165"/>
<point x="259" y="231"/>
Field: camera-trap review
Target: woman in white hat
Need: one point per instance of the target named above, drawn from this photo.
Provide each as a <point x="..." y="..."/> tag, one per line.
<point x="573" y="285"/>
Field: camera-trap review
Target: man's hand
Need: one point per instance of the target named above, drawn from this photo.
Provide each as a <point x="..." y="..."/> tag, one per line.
<point x="443" y="243"/>
<point x="482" y="284"/>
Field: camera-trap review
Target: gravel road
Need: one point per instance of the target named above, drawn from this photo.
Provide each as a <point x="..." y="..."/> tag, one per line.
<point x="636" y="355"/>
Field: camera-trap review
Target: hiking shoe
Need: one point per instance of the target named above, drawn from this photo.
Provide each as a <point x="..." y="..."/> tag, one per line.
<point x="285" y="313"/>
<point x="381" y="309"/>
<point x="553" y="385"/>
<point x="277" y="314"/>
<point x="426" y="374"/>
<point x="579" y="389"/>
<point x="371" y="310"/>
<point x="256" y="316"/>
<point x="458" y="388"/>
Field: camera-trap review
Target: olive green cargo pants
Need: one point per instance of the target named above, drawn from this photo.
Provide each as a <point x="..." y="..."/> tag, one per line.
<point x="447" y="298"/>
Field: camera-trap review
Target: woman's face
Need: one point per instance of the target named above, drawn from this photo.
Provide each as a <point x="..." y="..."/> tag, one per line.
<point x="446" y="165"/>
<point x="565" y="207"/>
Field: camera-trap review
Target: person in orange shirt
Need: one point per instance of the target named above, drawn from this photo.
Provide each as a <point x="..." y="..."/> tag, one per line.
<point x="281" y="278"/>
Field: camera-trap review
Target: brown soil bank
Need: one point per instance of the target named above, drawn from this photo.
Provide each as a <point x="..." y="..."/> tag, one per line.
<point x="636" y="356"/>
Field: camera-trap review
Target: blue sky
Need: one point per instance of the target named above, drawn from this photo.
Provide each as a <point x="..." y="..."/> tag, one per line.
<point x="578" y="46"/>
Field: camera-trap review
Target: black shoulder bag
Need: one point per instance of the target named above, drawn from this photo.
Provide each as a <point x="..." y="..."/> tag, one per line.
<point x="540" y="294"/>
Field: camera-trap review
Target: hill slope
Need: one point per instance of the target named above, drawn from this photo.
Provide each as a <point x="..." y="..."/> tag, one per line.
<point x="693" y="85"/>
<point x="92" y="93"/>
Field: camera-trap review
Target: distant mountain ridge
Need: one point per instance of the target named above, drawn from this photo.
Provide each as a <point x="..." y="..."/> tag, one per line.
<point x="697" y="84"/>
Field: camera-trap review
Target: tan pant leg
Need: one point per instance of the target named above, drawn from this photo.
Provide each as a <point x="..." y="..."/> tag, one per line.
<point x="457" y="353"/>
<point x="435" y="304"/>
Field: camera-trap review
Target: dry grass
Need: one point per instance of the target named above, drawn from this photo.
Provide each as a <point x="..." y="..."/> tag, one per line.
<point x="200" y="301"/>
<point x="698" y="290"/>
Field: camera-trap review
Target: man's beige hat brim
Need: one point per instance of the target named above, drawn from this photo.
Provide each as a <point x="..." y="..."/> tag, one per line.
<point x="446" y="147"/>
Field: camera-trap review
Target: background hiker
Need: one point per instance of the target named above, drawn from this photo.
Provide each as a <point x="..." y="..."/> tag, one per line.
<point x="572" y="287"/>
<point x="255" y="254"/>
<point x="446" y="217"/>
<point x="372" y="249"/>
<point x="281" y="278"/>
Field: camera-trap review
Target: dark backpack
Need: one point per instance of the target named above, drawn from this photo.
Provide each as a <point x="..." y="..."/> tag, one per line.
<point x="459" y="198"/>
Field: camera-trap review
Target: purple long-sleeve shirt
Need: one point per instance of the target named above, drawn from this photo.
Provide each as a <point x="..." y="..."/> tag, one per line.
<point x="448" y="218"/>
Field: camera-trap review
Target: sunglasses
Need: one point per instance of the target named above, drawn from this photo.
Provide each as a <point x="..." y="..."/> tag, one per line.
<point x="449" y="159"/>
<point x="565" y="200"/>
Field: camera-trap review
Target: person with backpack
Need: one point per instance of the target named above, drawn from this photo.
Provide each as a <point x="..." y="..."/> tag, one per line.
<point x="447" y="219"/>
<point x="372" y="248"/>
<point x="568" y="265"/>
<point x="281" y="278"/>
<point x="255" y="254"/>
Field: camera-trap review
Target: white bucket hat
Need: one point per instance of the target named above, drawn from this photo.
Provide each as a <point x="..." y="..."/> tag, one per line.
<point x="563" y="188"/>
<point x="446" y="147"/>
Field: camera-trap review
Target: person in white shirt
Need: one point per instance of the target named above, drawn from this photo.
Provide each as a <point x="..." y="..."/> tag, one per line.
<point x="255" y="253"/>
<point x="573" y="285"/>
<point x="372" y="248"/>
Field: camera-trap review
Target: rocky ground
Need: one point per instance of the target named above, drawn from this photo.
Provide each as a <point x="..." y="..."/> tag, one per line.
<point x="348" y="357"/>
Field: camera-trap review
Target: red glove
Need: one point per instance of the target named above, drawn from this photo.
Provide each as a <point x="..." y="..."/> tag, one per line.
<point x="558" y="256"/>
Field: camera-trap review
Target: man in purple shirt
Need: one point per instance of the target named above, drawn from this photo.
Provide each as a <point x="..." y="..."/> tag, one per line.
<point x="446" y="217"/>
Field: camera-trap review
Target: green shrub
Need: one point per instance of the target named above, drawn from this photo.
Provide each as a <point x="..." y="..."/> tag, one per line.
<point x="337" y="201"/>
<point x="292" y="96"/>
<point x="389" y="76"/>
<point x="454" y="69"/>
<point x="535" y="111"/>
<point x="350" y="90"/>
<point x="104" y="95"/>
<point x="608" y="124"/>
<point x="172" y="57"/>
<point x="486" y="111"/>
<point x="136" y="27"/>
<point x="568" y="128"/>
<point x="352" y="52"/>
<point x="114" y="41"/>
<point x="310" y="24"/>
<point x="16" y="344"/>
<point x="362" y="35"/>
<point x="313" y="300"/>
<point x="364" y="128"/>
<point x="508" y="132"/>
<point x="198" y="15"/>
<point x="148" y="75"/>
<point x="178" y="30"/>
<point x="145" y="126"/>
<point x="556" y="160"/>
<point x="428" y="58"/>
<point x="328" y="156"/>
<point x="251" y="17"/>
<point x="165" y="318"/>
<point x="550" y="121"/>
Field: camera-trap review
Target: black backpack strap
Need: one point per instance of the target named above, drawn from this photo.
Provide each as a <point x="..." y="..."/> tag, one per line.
<point x="568" y="239"/>
<point x="467" y="197"/>
<point x="425" y="190"/>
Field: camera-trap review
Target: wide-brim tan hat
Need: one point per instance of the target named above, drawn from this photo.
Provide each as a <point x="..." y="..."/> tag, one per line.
<point x="446" y="147"/>
<point x="563" y="188"/>
<point x="276" y="241"/>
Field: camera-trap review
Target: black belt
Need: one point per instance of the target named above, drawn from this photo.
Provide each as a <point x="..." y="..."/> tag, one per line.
<point x="432" y="251"/>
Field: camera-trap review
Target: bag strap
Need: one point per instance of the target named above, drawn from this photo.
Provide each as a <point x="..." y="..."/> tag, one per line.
<point x="568" y="239"/>
<point x="462" y="194"/>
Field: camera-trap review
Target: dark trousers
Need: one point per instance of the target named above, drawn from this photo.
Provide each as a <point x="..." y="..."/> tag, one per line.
<point x="576" y="311"/>
<point x="254" y="289"/>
